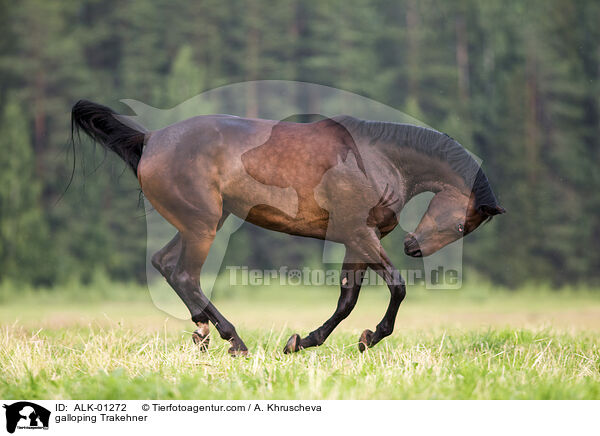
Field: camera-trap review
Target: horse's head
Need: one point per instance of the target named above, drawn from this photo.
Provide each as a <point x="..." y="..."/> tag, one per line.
<point x="450" y="216"/>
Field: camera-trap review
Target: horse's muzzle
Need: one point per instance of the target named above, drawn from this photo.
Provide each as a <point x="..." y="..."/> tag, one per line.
<point x="411" y="246"/>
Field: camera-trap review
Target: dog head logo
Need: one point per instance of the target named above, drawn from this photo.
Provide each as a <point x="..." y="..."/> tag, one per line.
<point x="26" y="415"/>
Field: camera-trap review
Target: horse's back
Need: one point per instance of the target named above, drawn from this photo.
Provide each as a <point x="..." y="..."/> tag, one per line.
<point x="289" y="177"/>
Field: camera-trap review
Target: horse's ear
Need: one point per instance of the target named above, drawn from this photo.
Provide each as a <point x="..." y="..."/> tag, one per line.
<point x="491" y="210"/>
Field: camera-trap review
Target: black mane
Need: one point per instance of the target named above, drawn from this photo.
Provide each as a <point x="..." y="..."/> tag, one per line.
<point x="429" y="142"/>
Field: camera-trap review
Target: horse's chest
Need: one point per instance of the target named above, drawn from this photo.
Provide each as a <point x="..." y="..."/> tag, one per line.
<point x="383" y="218"/>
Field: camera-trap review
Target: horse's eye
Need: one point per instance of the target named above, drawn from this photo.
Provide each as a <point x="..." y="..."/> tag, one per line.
<point x="460" y="228"/>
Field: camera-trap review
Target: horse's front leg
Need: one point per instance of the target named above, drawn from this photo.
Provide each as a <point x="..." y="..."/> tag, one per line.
<point x="366" y="245"/>
<point x="397" y="289"/>
<point x="350" y="282"/>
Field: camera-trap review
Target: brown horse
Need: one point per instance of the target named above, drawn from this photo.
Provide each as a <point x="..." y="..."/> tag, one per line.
<point x="339" y="179"/>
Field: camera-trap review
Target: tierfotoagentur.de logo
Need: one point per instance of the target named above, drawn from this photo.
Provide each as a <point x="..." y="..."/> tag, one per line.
<point x="25" y="415"/>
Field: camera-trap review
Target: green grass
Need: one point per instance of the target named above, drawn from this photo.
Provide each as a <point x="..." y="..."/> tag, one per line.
<point x="478" y="343"/>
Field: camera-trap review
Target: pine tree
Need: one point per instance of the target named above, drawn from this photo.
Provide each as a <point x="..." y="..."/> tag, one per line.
<point x="22" y="228"/>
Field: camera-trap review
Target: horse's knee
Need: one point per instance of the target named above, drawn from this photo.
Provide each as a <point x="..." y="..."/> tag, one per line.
<point x="397" y="285"/>
<point x="399" y="291"/>
<point x="347" y="308"/>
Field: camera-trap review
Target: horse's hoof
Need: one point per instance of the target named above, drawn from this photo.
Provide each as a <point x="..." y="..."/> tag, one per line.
<point x="293" y="344"/>
<point x="201" y="340"/>
<point x="238" y="352"/>
<point x="365" y="341"/>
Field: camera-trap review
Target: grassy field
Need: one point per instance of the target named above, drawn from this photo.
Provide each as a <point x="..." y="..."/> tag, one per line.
<point x="476" y="343"/>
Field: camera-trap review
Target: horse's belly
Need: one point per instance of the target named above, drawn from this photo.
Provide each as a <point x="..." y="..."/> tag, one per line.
<point x="311" y="223"/>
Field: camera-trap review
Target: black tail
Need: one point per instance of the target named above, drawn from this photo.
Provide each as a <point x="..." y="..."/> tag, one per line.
<point x="105" y="126"/>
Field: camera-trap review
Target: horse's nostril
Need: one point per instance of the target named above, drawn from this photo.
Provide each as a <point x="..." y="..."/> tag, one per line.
<point x="410" y="245"/>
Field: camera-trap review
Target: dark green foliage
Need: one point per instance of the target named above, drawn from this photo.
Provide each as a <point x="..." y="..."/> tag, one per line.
<point x="515" y="82"/>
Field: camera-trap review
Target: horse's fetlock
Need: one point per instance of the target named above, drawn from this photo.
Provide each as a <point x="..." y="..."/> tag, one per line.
<point x="384" y="329"/>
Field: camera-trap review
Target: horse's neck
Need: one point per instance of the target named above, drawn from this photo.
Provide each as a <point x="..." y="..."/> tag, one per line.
<point x="422" y="173"/>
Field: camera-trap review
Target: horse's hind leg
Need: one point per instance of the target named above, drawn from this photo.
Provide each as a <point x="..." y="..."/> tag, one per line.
<point x="351" y="278"/>
<point x="165" y="261"/>
<point x="197" y="227"/>
<point x="186" y="282"/>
